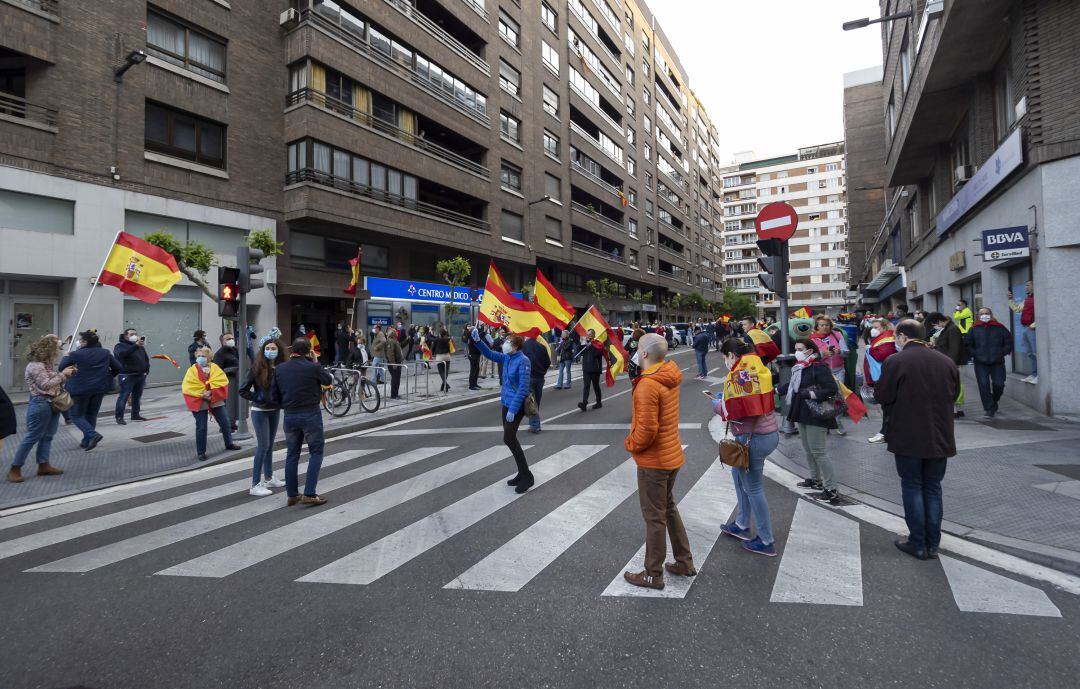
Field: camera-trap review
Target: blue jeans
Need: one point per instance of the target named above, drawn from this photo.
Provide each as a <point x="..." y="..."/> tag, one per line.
<point x="536" y="387"/>
<point x="380" y="375"/>
<point x="201" y="417"/>
<point x="749" y="486"/>
<point x="1028" y="338"/>
<point x="41" y="425"/>
<point x="568" y="367"/>
<point x="703" y="369"/>
<point x="920" y="481"/>
<point x="265" y="425"/>
<point x="84" y="413"/>
<point x="301" y="426"/>
<point x="131" y="385"/>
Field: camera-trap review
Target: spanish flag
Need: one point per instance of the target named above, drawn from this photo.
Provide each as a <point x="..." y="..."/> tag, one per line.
<point x="139" y="268"/>
<point x="609" y="340"/>
<point x="764" y="346"/>
<point x="748" y="389"/>
<point x="315" y="345"/>
<point x="856" y="408"/>
<point x="802" y="313"/>
<point x="558" y="311"/>
<point x="354" y="265"/>
<point x="166" y="357"/>
<point x="499" y="308"/>
<point x="495" y="277"/>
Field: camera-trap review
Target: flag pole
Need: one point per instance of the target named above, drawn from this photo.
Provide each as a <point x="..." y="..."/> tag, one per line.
<point x="359" y="258"/>
<point x="93" y="287"/>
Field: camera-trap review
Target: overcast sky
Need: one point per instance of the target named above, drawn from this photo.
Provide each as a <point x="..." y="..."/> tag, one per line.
<point x="770" y="72"/>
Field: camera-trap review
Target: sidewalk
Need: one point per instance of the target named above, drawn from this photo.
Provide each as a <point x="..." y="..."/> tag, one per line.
<point x="166" y="443"/>
<point x="1015" y="481"/>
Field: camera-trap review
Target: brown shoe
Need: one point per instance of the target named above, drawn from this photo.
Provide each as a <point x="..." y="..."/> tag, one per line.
<point x="643" y="580"/>
<point x="14" y="475"/>
<point x="312" y="500"/>
<point x="47" y="469"/>
<point x="680" y="568"/>
<point x="293" y="499"/>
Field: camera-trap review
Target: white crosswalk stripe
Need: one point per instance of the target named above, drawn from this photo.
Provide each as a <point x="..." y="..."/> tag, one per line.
<point x="154" y="509"/>
<point x="144" y="543"/>
<point x="978" y="590"/>
<point x="821" y="562"/>
<point x="387" y="554"/>
<point x="704" y="510"/>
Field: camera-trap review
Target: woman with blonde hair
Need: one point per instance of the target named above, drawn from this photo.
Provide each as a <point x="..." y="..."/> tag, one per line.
<point x="44" y="383"/>
<point x="205" y="389"/>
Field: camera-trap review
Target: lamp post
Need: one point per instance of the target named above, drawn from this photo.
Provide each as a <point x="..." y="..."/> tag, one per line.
<point x="133" y="58"/>
<point x="866" y="21"/>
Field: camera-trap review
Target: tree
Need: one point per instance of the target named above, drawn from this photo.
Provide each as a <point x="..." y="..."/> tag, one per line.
<point x="263" y="240"/>
<point x="696" y="304"/>
<point x="641" y="297"/>
<point x="738" y="305"/>
<point x="455" y="271"/>
<point x="602" y="289"/>
<point x="672" y="305"/>
<point x="195" y="259"/>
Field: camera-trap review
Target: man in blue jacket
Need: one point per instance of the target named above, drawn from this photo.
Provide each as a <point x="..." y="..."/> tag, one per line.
<point x="297" y="389"/>
<point x="989" y="342"/>
<point x="95" y="369"/>
<point x="701" y="349"/>
<point x="130" y="351"/>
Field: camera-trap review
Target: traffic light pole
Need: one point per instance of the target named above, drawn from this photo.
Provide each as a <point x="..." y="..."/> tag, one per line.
<point x="242" y="432"/>
<point x="785" y="338"/>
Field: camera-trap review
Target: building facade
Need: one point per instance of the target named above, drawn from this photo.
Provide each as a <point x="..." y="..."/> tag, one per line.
<point x="982" y="134"/>
<point x="864" y="140"/>
<point x="813" y="182"/>
<point x="559" y="134"/>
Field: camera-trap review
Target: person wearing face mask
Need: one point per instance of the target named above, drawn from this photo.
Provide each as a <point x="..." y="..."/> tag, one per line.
<point x="517" y="370"/>
<point x="1026" y="309"/>
<point x="228" y="360"/>
<point x="989" y="343"/>
<point x="205" y="389"/>
<point x="633" y="367"/>
<point x="962" y="316"/>
<point x="265" y="414"/>
<point x="198" y="339"/>
<point x="440" y="350"/>
<point x="882" y="346"/>
<point x="95" y="369"/>
<point x="130" y="351"/>
<point x="948" y="340"/>
<point x="564" y="354"/>
<point x="834" y="349"/>
<point x="811" y="379"/>
<point x="919" y="385"/>
<point x="592" y="357"/>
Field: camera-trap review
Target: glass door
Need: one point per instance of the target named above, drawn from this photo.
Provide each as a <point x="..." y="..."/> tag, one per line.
<point x="30" y="320"/>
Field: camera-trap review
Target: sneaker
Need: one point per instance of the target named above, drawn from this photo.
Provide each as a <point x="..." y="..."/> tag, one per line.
<point x="582" y="406"/>
<point x="756" y="546"/>
<point x="810" y="483"/>
<point x="958" y="414"/>
<point x="598" y="405"/>
<point x="680" y="568"/>
<point x="260" y="491"/>
<point x="1034" y="380"/>
<point x="644" y="580"/>
<point x="234" y="446"/>
<point x="826" y="495"/>
<point x="1027" y="380"/>
<point x="93" y="442"/>
<point x="274" y="482"/>
<point x="841" y="432"/>
<point x="878" y="438"/>
<point x="735" y="531"/>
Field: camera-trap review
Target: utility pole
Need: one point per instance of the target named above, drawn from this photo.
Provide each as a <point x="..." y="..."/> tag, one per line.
<point x="248" y="262"/>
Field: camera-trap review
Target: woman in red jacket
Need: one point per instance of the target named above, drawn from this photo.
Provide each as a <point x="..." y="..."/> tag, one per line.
<point x="882" y="346"/>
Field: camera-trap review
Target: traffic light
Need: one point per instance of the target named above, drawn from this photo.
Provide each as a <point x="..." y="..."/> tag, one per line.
<point x="774" y="261"/>
<point x="228" y="292"/>
<point x="248" y="261"/>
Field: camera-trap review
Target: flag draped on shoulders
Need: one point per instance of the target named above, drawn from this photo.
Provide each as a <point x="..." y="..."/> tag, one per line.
<point x="764" y="346"/>
<point x="139" y="268"/>
<point x="881" y="348"/>
<point x="196" y="382"/>
<point x="748" y="389"/>
<point x="556" y="309"/>
<point x="610" y="340"/>
<point x="499" y="308"/>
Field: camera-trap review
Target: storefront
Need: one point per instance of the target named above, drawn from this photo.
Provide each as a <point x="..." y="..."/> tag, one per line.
<point x="415" y="303"/>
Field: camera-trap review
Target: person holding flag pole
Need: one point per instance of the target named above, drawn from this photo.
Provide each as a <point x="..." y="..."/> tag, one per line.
<point x="515" y="388"/>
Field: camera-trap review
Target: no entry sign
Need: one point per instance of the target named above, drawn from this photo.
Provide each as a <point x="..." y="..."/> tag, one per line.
<point x="776" y="221"/>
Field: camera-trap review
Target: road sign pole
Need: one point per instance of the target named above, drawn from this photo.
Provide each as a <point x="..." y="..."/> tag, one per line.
<point x="242" y="432"/>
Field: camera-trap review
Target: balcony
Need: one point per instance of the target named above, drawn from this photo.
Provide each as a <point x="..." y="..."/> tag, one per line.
<point x="20" y="111"/>
<point x="365" y="119"/>
<point x="672" y="252"/>
<point x="614" y="256"/>
<point x="478" y="7"/>
<point x="580" y="131"/>
<point x="596" y="215"/>
<point x="418" y="16"/>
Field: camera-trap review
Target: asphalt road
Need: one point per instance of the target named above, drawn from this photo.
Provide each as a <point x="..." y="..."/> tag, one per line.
<point x="425" y="570"/>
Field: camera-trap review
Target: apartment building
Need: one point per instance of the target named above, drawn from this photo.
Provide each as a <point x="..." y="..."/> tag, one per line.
<point x="982" y="133"/>
<point x="560" y="134"/>
<point x="813" y="182"/>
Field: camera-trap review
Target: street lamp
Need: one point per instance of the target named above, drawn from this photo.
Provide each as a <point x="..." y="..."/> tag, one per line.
<point x="866" y="21"/>
<point x="545" y="197"/>
<point x="133" y="58"/>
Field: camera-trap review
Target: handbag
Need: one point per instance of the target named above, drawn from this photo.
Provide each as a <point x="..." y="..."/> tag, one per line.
<point x="61" y="401"/>
<point x="529" y="406"/>
<point x="826" y="410"/>
<point x="733" y="453"/>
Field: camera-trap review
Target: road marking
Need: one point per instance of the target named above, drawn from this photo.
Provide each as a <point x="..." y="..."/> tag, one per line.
<point x="575" y="410"/>
<point x="232" y="559"/>
<point x="976" y="590"/>
<point x="144" y="543"/>
<point x="515" y="564"/>
<point x="1070" y="489"/>
<point x="704" y="509"/>
<point x="499" y="429"/>
<point x="394" y="550"/>
<point x="822" y="562"/>
<point x="108" y="521"/>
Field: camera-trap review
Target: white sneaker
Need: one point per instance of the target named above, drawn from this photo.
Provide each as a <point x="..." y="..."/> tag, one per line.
<point x="1026" y="380"/>
<point x="260" y="491"/>
<point x="274" y="482"/>
<point x="879" y="438"/>
<point x="1034" y="380"/>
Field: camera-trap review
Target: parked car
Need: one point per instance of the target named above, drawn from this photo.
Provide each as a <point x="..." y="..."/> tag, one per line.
<point x="681" y="333"/>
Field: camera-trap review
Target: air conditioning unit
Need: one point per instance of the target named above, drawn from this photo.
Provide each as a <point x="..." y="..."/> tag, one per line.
<point x="289" y="19"/>
<point x="963" y="173"/>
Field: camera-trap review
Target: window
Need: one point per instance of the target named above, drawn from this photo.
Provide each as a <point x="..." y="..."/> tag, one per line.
<point x="628" y="41"/>
<point x="632" y="197"/>
<point x="631" y="166"/>
<point x="649" y="263"/>
<point x="645" y="96"/>
<point x="905" y="63"/>
<point x="182" y="45"/>
<point x="629" y="135"/>
<point x="509" y="79"/>
<point x="549" y="16"/>
<point x="510" y="176"/>
<point x="33" y="213"/>
<point x="891" y="115"/>
<point x="914" y="221"/>
<point x="811" y="170"/>
<point x="630" y="107"/>
<point x="648" y="124"/>
<point x="1004" y="103"/>
<point x="646" y="150"/>
<point x="631" y="226"/>
<point x="509" y="30"/>
<point x="341" y="168"/>
<point x="512" y="226"/>
<point x="551" y="144"/>
<point x="632" y="257"/>
<point x="629" y="76"/>
<point x="648" y="208"/>
<point x="552" y="187"/>
<point x="832" y="167"/>
<point x="550" y="57"/>
<point x="551" y="102"/>
<point x="185" y="136"/>
<point x="509" y="127"/>
<point x="648" y="180"/>
<point x="552" y="228"/>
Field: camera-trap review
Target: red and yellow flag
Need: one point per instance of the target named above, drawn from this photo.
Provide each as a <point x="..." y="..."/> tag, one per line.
<point x="748" y="389"/>
<point x="764" y="346"/>
<point x="315" y="345"/>
<point x="354" y="265"/>
<point x="802" y="313"/>
<point x="558" y="311"/>
<point x="139" y="268"/>
<point x="495" y="277"/>
<point x="609" y="339"/>
<point x="500" y="309"/>
<point x="166" y="357"/>
<point x="856" y="408"/>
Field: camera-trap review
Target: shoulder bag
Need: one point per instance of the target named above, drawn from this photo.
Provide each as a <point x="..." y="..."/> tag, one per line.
<point x="826" y="409"/>
<point x="529" y="406"/>
<point x="61" y="401"/>
<point x="733" y="453"/>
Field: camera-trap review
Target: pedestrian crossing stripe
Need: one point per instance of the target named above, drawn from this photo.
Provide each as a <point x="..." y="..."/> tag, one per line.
<point x="822" y="562"/>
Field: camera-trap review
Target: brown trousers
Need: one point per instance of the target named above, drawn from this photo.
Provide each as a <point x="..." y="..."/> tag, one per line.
<point x="662" y="520"/>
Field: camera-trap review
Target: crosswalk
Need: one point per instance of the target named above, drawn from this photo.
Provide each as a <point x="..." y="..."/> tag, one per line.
<point x="821" y="561"/>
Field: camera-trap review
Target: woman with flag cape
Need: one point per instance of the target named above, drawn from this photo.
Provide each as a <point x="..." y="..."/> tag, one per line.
<point x="882" y="346"/>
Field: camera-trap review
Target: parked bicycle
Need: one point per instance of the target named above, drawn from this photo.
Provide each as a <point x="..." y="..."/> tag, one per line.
<point x="349" y="384"/>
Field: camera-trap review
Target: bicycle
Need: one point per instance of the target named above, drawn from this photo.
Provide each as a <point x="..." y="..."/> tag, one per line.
<point x="349" y="383"/>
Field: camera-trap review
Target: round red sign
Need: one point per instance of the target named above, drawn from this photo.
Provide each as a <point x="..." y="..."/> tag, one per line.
<point x="776" y="221"/>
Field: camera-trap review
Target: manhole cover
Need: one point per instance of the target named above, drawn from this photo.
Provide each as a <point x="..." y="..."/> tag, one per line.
<point x="1069" y="470"/>
<point x="154" y="437"/>
<point x="1013" y="425"/>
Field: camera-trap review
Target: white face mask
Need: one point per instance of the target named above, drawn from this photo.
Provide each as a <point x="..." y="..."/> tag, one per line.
<point x="229" y="343"/>
<point x="804" y="355"/>
<point x="634" y="359"/>
<point x="506" y="348"/>
<point x="133" y="339"/>
<point x="985" y="318"/>
<point x="874" y="332"/>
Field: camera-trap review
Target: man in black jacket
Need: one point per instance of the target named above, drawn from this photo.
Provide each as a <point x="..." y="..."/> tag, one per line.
<point x="130" y="351"/>
<point x="297" y="389"/>
<point x="228" y="360"/>
<point x="950" y="342"/>
<point x="474" y="358"/>
<point x="539" y="363"/>
<point x="921" y="385"/>
<point x="592" y="365"/>
<point x="989" y="343"/>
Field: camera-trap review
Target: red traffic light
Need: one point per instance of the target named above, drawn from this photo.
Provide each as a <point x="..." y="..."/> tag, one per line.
<point x="228" y="291"/>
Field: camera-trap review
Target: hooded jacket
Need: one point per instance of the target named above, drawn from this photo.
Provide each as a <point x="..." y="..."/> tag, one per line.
<point x="654" y="430"/>
<point x="516" y="375"/>
<point x="132" y="357"/>
<point x="989" y="343"/>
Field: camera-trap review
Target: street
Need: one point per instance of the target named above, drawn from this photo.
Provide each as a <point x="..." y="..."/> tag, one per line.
<point x="426" y="570"/>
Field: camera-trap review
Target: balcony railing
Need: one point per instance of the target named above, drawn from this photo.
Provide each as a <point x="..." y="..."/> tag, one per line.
<point x="672" y="252"/>
<point x="574" y="126"/>
<point x="406" y="204"/>
<point x="16" y="107"/>
<point x="308" y="95"/>
<point x="440" y="34"/>
<point x="599" y="253"/>
<point x="477" y="7"/>
<point x="579" y="168"/>
<point x="596" y="215"/>
<point x="596" y="108"/>
<point x="47" y="6"/>
<point x="678" y="230"/>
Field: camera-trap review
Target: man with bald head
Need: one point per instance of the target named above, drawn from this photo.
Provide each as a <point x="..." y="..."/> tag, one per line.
<point x="655" y="445"/>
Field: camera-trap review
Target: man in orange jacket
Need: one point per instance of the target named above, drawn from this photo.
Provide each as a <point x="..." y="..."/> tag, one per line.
<point x="655" y="445"/>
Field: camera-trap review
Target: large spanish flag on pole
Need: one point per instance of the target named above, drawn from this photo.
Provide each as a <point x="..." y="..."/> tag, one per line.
<point x="558" y="311"/>
<point x="495" y="278"/>
<point x="609" y="340"/>
<point x="354" y="267"/>
<point x="139" y="268"/>
<point x="500" y="309"/>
